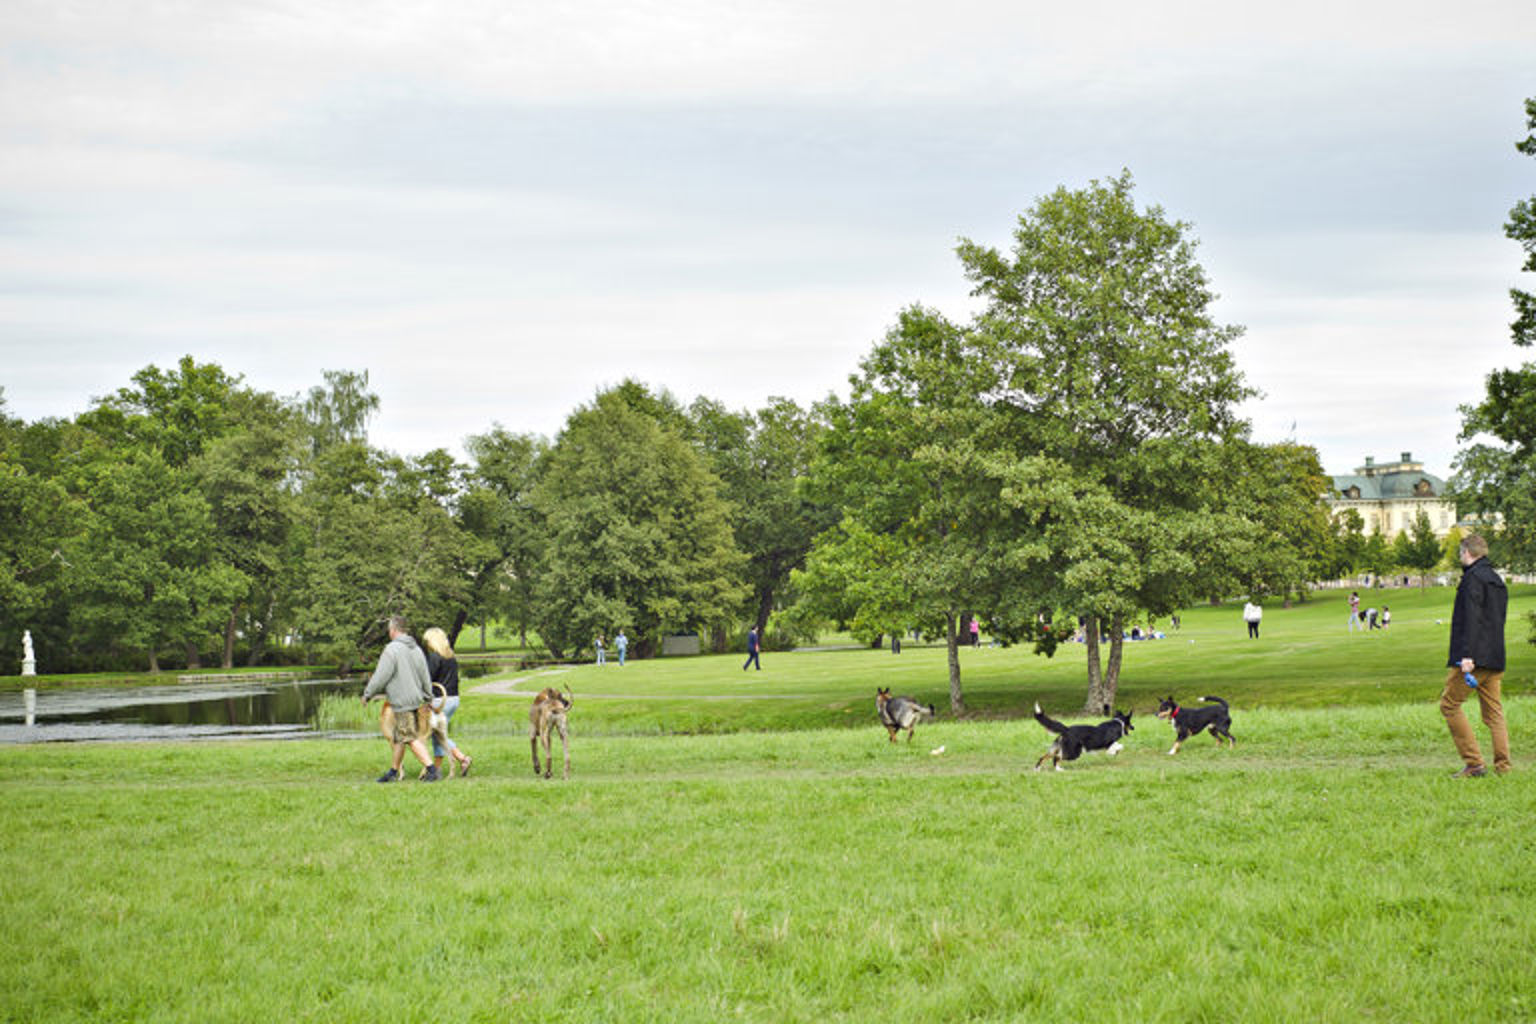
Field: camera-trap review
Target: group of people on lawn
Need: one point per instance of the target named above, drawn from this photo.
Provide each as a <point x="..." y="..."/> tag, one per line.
<point x="620" y="644"/>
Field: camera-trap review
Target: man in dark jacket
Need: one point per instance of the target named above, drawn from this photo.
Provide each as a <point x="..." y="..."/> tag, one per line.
<point x="752" y="649"/>
<point x="1477" y="650"/>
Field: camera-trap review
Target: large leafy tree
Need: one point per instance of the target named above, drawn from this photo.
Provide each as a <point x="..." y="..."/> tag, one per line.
<point x="920" y="541"/>
<point x="1121" y="393"/>
<point x="497" y="508"/>
<point x="1496" y="476"/>
<point x="245" y="476"/>
<point x="154" y="551"/>
<point x="638" y="536"/>
<point x="762" y="460"/>
<point x="1075" y="449"/>
<point x="1284" y="488"/>
<point x="41" y="518"/>
<point x="375" y="537"/>
<point x="1346" y="545"/>
<point x="150" y="575"/>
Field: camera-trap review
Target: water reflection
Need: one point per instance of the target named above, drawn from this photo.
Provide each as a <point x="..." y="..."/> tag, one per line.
<point x="215" y="711"/>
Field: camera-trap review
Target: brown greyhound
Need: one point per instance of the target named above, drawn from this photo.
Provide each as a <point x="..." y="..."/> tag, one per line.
<point x="548" y="710"/>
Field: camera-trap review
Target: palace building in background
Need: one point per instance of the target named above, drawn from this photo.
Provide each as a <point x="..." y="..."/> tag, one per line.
<point x="1390" y="495"/>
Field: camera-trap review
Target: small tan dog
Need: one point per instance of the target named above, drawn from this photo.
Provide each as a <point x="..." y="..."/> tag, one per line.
<point x="548" y="711"/>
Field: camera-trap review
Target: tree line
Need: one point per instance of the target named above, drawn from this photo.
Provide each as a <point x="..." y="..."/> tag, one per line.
<point x="190" y="516"/>
<point x="1071" y="455"/>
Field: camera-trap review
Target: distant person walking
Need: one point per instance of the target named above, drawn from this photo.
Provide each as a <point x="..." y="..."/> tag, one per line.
<point x="443" y="668"/>
<point x="1253" y="615"/>
<point x="1477" y="650"/>
<point x="1354" y="611"/>
<point x="752" y="650"/>
<point x="621" y="644"/>
<point x="597" y="645"/>
<point x="1386" y="617"/>
<point x="402" y="677"/>
<point x="975" y="632"/>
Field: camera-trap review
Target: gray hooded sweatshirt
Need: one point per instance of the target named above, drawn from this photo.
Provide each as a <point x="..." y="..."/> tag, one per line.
<point x="401" y="675"/>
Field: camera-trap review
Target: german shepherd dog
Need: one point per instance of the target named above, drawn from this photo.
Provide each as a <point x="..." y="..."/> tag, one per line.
<point x="1072" y="740"/>
<point x="548" y="712"/>
<point x="898" y="713"/>
<point x="1188" y="721"/>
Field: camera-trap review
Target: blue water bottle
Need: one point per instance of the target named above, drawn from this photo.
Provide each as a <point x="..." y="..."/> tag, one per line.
<point x="1470" y="678"/>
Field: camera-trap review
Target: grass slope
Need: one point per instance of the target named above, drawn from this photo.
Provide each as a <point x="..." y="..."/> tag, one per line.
<point x="1325" y="870"/>
<point x="795" y="866"/>
<point x="1305" y="657"/>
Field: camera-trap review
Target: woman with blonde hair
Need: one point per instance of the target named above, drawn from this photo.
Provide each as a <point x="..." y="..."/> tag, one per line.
<point x="443" y="668"/>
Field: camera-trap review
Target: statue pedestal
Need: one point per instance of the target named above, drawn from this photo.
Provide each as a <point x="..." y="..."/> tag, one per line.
<point x="29" y="667"/>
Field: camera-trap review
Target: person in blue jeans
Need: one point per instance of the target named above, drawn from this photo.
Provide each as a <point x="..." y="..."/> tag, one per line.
<point x="443" y="668"/>
<point x="621" y="644"/>
<point x="752" y="648"/>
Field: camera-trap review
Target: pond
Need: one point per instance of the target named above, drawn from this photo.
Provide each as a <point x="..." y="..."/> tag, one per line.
<point x="267" y="710"/>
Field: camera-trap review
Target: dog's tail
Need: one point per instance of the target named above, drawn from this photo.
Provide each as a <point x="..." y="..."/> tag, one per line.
<point x="1047" y="721"/>
<point x="1216" y="700"/>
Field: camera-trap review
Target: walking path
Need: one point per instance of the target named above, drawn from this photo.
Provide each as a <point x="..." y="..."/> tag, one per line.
<point x="510" y="688"/>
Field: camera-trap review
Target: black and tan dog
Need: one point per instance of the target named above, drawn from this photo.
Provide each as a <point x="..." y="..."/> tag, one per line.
<point x="1072" y="740"/>
<point x="548" y="713"/>
<point x="1189" y="721"/>
<point x="898" y="713"/>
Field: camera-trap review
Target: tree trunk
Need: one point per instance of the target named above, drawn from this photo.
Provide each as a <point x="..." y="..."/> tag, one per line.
<point x="482" y="635"/>
<point x="956" y="697"/>
<point x="459" y="618"/>
<point x="194" y="657"/>
<point x="1110" y="683"/>
<point x="228" y="661"/>
<point x="154" y="660"/>
<point x="1095" y="678"/>
<point x="764" y="608"/>
<point x="259" y="635"/>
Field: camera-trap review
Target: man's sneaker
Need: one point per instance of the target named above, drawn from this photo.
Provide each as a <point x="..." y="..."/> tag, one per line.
<point x="1470" y="772"/>
<point x="431" y="774"/>
<point x="390" y="776"/>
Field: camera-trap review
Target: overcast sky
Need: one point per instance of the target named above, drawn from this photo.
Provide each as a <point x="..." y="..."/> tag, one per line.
<point x="498" y="207"/>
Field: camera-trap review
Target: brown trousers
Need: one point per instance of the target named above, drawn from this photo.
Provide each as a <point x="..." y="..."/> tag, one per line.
<point x="1457" y="691"/>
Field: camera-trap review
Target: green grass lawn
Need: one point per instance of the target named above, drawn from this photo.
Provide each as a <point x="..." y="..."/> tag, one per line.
<point x="787" y="863"/>
<point x="1304" y="657"/>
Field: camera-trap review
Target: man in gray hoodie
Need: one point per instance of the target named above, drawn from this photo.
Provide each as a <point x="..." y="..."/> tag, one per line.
<point x="402" y="677"/>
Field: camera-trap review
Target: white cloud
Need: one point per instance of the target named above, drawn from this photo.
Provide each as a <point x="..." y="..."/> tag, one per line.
<point x="498" y="208"/>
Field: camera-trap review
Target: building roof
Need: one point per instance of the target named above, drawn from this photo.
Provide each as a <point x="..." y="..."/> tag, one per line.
<point x="1391" y="481"/>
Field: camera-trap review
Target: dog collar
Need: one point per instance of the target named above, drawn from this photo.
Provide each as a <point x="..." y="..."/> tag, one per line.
<point x="1175" y="712"/>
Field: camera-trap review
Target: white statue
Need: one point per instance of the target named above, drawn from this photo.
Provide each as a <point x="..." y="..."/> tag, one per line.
<point x="28" y="661"/>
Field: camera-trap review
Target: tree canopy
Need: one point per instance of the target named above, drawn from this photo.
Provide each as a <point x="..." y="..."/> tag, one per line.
<point x="1496" y="475"/>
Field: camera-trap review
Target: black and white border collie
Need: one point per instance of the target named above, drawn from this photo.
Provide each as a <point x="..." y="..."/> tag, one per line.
<point x="1072" y="740"/>
<point x="1189" y="721"/>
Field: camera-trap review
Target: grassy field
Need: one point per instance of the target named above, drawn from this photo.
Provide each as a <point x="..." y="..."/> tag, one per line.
<point x="1305" y="658"/>
<point x="786" y="863"/>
